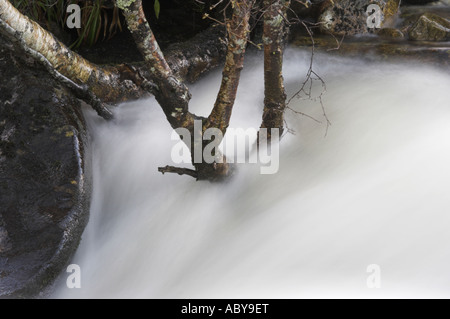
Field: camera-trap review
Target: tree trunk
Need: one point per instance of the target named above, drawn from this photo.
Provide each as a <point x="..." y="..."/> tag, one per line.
<point x="273" y="38"/>
<point x="173" y="96"/>
<point x="161" y="76"/>
<point x="238" y="31"/>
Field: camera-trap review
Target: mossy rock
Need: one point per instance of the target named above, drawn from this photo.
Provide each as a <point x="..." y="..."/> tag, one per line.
<point x="430" y="27"/>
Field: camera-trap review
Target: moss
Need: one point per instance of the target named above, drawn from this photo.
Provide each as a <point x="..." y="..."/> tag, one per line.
<point x="391" y="8"/>
<point x="275" y="22"/>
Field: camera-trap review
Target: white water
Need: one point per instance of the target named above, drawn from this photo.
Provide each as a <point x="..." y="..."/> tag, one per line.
<point x="375" y="190"/>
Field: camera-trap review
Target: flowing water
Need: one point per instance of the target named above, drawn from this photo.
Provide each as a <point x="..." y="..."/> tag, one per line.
<point x="374" y="191"/>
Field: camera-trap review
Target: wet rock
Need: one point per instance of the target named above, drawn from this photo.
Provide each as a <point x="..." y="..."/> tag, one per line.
<point x="390" y="33"/>
<point x="5" y="244"/>
<point x="418" y="2"/>
<point x="409" y="15"/>
<point x="377" y="49"/>
<point x="346" y="17"/>
<point x="44" y="177"/>
<point x="430" y="27"/>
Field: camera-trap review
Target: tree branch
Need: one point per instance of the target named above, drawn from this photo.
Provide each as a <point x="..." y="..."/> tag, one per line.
<point x="170" y="92"/>
<point x="178" y="170"/>
<point x="172" y="95"/>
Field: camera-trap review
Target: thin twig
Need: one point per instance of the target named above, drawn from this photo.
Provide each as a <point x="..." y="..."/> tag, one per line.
<point x="178" y="170"/>
<point x="339" y="43"/>
<point x="306" y="86"/>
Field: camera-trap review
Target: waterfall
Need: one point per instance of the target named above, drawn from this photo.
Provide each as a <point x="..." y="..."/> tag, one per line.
<point x="372" y="189"/>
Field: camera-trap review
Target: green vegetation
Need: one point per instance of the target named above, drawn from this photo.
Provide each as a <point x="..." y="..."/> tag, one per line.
<point x="99" y="19"/>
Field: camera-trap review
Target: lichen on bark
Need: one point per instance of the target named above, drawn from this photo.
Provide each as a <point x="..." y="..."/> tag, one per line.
<point x="124" y="4"/>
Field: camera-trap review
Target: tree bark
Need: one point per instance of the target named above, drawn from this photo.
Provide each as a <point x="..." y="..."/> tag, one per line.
<point x="273" y="38"/>
<point x="104" y="83"/>
<point x="111" y="84"/>
<point x="238" y="31"/>
<point x="98" y="85"/>
<point x="191" y="59"/>
<point x="173" y="96"/>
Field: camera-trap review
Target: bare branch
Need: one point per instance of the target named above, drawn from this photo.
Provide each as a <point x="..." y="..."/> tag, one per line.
<point x="338" y="42"/>
<point x="306" y="86"/>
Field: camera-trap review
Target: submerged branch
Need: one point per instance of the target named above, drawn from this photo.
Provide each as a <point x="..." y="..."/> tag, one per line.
<point x="178" y="170"/>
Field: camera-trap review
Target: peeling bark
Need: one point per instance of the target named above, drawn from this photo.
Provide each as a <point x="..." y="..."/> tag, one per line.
<point x="274" y="91"/>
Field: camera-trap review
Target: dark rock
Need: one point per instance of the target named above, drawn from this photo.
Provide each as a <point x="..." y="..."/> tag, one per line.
<point x="350" y="17"/>
<point x="430" y="27"/>
<point x="44" y="177"/>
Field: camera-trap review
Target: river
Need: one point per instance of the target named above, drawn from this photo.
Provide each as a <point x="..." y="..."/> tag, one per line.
<point x="370" y="192"/>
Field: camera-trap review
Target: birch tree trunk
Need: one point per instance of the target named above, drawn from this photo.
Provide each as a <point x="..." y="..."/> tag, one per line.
<point x="44" y="47"/>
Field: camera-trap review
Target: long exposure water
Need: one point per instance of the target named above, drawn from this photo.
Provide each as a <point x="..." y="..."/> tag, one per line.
<point x="373" y="189"/>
